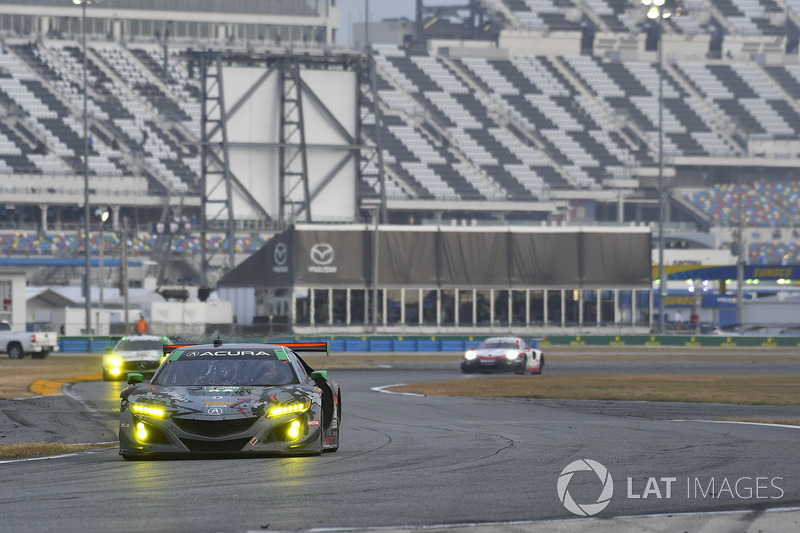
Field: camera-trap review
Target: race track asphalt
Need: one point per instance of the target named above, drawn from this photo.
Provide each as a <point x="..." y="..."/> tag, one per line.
<point x="419" y="462"/>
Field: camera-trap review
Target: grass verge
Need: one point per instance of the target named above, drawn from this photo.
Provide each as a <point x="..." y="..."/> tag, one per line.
<point x="40" y="449"/>
<point x="35" y="377"/>
<point x="767" y="389"/>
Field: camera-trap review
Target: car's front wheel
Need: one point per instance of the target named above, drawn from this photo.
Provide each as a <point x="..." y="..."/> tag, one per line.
<point x="318" y="449"/>
<point x="338" y="425"/>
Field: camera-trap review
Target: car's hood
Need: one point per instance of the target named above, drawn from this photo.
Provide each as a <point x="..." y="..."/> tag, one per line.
<point x="216" y="402"/>
<point x="139" y="355"/>
<point x="495" y="352"/>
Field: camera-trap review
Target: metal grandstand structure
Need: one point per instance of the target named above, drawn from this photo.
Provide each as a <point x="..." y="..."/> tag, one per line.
<point x="293" y="172"/>
<point x="552" y="120"/>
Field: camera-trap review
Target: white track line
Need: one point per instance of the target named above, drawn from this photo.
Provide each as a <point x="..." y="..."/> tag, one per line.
<point x="45" y="457"/>
<point x="383" y="390"/>
<point x="740" y="422"/>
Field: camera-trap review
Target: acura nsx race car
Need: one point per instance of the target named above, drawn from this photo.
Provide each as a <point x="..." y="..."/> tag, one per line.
<point x="231" y="399"/>
<point x="504" y="354"/>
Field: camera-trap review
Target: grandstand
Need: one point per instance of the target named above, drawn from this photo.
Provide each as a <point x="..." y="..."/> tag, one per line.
<point x="559" y="111"/>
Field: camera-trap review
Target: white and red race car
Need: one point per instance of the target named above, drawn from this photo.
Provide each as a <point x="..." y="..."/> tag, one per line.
<point x="503" y="354"/>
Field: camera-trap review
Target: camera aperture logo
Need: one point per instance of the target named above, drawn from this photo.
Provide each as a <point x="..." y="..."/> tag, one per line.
<point x="585" y="509"/>
<point x="645" y="489"/>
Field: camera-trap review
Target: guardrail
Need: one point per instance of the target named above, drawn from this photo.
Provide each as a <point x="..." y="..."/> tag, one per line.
<point x="460" y="344"/>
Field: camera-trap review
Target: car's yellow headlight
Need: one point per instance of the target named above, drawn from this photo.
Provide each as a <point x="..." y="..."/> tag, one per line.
<point x="289" y="409"/>
<point x="150" y="410"/>
<point x="294" y="429"/>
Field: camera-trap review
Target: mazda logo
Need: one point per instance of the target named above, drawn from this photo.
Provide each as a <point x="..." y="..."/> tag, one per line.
<point x="280" y="254"/>
<point x="322" y="253"/>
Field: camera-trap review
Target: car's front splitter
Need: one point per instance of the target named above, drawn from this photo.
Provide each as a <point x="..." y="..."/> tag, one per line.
<point x="492" y="365"/>
<point x="157" y="437"/>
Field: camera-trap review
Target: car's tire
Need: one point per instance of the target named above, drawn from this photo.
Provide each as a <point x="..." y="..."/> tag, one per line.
<point x="521" y="369"/>
<point x="319" y="449"/>
<point x="15" y="351"/>
<point x="39" y="355"/>
<point x="541" y="366"/>
<point x="338" y="425"/>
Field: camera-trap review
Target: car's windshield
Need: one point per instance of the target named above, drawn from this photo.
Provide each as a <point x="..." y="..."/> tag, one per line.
<point x="137" y="345"/>
<point x="240" y="373"/>
<point x="490" y="344"/>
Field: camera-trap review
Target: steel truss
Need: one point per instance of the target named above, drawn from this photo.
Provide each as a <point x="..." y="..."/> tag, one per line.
<point x="295" y="97"/>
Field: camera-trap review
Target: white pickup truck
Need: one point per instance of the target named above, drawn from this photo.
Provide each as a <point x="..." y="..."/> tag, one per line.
<point x="18" y="343"/>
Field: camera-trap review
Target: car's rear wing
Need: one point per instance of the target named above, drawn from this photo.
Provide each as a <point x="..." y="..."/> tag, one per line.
<point x="317" y="347"/>
<point x="169" y="348"/>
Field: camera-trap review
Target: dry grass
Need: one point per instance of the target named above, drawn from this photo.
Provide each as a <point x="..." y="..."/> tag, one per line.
<point x="768" y="389"/>
<point x="40" y="449"/>
<point x="17" y="376"/>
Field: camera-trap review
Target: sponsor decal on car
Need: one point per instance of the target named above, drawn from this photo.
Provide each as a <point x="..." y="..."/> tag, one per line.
<point x="225" y="353"/>
<point x="215" y="411"/>
<point x="313" y="422"/>
<point x="253" y="441"/>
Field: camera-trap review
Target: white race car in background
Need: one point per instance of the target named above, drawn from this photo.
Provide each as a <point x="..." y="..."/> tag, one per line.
<point x="503" y="354"/>
<point x="138" y="353"/>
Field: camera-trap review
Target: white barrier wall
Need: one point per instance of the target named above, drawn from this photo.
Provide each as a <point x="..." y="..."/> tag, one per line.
<point x="188" y="319"/>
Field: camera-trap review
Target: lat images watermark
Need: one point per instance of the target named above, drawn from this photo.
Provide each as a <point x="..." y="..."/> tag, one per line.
<point x="585" y="509"/>
<point x="664" y="487"/>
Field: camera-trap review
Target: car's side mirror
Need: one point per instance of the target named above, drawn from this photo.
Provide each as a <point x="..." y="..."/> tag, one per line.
<point x="134" y="378"/>
<point x="527" y="347"/>
<point x="318" y="375"/>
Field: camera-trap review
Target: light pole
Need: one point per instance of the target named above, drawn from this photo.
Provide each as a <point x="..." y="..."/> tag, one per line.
<point x="740" y="261"/>
<point x="376" y="216"/>
<point x="659" y="10"/>
<point x="86" y="211"/>
<point x="102" y="215"/>
<point x="366" y="24"/>
<point x="124" y="275"/>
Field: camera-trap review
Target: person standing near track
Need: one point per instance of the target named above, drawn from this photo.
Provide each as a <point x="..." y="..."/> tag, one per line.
<point x="141" y="325"/>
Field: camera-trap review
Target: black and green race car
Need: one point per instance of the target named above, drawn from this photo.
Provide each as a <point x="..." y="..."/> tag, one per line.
<point x="231" y="399"/>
